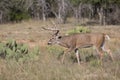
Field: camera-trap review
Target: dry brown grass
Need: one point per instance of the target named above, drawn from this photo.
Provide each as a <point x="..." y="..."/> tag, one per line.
<point x="48" y="67"/>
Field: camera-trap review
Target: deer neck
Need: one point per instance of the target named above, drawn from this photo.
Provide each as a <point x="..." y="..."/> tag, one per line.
<point x="62" y="42"/>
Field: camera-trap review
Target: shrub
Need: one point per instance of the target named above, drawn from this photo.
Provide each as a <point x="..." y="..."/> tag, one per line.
<point x="95" y="63"/>
<point x="18" y="52"/>
<point x="18" y="15"/>
<point x="79" y="29"/>
<point x="54" y="49"/>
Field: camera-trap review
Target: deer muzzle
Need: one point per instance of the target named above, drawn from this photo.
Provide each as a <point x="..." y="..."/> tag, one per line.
<point x="49" y="43"/>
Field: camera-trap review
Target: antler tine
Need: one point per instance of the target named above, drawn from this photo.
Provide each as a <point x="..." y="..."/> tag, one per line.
<point x="57" y="32"/>
<point x="53" y="23"/>
<point x="49" y="29"/>
<point x="52" y="29"/>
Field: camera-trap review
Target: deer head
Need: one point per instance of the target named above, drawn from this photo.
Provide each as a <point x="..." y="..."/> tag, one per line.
<point x="55" y="37"/>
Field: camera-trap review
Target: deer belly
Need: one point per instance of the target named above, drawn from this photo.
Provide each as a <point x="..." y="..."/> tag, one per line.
<point x="85" y="45"/>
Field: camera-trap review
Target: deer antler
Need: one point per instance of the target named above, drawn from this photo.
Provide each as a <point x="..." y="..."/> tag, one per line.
<point x="51" y="29"/>
<point x="53" y="23"/>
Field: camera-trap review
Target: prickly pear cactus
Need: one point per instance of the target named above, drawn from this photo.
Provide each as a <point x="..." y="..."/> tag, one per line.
<point x="19" y="52"/>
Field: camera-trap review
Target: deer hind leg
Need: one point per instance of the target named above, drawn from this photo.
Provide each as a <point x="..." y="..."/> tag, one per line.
<point x="77" y="55"/>
<point x="108" y="51"/>
<point x="67" y="51"/>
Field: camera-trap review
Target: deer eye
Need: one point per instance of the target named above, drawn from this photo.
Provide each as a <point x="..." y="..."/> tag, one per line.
<point x="59" y="37"/>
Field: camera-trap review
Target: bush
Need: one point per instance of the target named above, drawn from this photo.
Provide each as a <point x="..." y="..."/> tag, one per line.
<point x="54" y="49"/>
<point x="18" y="15"/>
<point x="95" y="63"/>
<point x="18" y="52"/>
<point x="79" y="29"/>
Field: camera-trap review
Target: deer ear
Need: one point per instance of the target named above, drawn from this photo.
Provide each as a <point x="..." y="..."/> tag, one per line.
<point x="56" y="33"/>
<point x="59" y="37"/>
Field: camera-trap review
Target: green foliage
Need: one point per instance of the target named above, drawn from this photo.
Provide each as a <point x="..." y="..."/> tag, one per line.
<point x="78" y="29"/>
<point x="54" y="49"/>
<point x="95" y="63"/>
<point x="114" y="2"/>
<point x="16" y="10"/>
<point x="17" y="14"/>
<point x="18" y="52"/>
<point x="34" y="53"/>
<point x="75" y="2"/>
<point x="101" y="2"/>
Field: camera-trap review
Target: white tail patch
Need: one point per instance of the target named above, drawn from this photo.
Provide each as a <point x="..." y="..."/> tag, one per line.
<point x="106" y="36"/>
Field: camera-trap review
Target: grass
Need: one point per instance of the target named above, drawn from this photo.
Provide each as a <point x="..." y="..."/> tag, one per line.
<point x="52" y="70"/>
<point x="47" y="66"/>
<point x="78" y="29"/>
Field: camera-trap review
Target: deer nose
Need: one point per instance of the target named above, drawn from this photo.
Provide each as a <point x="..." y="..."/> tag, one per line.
<point x="49" y="43"/>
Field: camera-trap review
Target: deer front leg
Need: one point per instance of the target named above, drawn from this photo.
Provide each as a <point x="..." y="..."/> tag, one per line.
<point x="108" y="51"/>
<point x="67" y="51"/>
<point x="77" y="55"/>
<point x="100" y="52"/>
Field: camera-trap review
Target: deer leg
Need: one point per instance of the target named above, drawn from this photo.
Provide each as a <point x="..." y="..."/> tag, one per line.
<point x="68" y="50"/>
<point x="101" y="56"/>
<point x="108" y="51"/>
<point x="77" y="55"/>
<point x="99" y="50"/>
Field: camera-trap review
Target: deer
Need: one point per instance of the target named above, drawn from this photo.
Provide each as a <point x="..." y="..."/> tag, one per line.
<point x="80" y="40"/>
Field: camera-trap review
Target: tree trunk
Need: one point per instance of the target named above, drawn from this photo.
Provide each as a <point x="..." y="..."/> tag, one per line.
<point x="1" y="16"/>
<point x="59" y="17"/>
<point x="62" y="13"/>
<point x="43" y="10"/>
<point x="101" y="15"/>
<point x="77" y="12"/>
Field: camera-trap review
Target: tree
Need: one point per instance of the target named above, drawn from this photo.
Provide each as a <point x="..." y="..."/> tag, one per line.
<point x="102" y="11"/>
<point x="60" y="9"/>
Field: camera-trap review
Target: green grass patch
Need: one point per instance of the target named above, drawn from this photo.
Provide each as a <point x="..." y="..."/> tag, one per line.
<point x="54" y="49"/>
<point x="95" y="63"/>
<point x="78" y="29"/>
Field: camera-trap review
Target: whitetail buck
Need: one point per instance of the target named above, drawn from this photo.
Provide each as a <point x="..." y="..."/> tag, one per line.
<point x="81" y="40"/>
